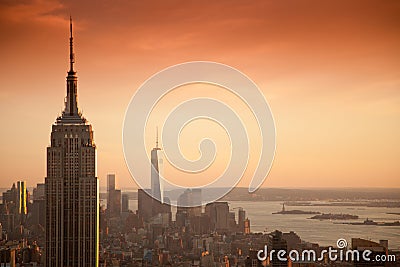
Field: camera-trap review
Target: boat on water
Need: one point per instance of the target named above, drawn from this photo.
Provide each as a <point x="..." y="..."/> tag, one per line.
<point x="366" y="222"/>
<point x="371" y="222"/>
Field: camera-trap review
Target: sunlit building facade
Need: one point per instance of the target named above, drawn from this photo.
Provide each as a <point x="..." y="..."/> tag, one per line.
<point x="71" y="187"/>
<point x="22" y="197"/>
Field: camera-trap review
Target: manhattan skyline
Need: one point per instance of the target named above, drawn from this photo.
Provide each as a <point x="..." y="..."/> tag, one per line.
<point x="330" y="73"/>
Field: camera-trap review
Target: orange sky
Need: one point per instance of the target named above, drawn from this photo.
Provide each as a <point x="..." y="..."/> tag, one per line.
<point x="330" y="71"/>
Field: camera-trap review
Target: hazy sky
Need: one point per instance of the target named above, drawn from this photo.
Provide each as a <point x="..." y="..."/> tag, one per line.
<point x="330" y="71"/>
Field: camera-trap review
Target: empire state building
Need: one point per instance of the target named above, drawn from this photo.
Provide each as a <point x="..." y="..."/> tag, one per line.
<point x="72" y="203"/>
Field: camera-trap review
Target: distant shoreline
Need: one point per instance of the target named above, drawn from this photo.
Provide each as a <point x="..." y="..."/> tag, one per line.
<point x="370" y="197"/>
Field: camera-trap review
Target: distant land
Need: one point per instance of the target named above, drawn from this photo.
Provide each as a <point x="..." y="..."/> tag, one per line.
<point x="369" y="195"/>
<point x="314" y="194"/>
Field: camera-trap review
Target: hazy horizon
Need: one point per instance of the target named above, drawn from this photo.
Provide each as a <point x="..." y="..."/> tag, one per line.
<point x="129" y="189"/>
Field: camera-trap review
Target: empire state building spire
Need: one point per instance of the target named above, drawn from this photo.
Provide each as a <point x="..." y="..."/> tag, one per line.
<point x="71" y="47"/>
<point x="71" y="103"/>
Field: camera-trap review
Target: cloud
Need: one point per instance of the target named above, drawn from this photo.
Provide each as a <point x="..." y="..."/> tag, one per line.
<point x="36" y="11"/>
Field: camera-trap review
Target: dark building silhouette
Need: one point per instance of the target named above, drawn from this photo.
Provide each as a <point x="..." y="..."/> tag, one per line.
<point x="113" y="197"/>
<point x="10" y="196"/>
<point x="71" y="187"/>
<point x="125" y="203"/>
<point x="151" y="202"/>
<point x="218" y="212"/>
<point x="277" y="244"/>
<point x="376" y="249"/>
<point x="37" y="208"/>
<point x="190" y="202"/>
<point x="156" y="167"/>
<point x="14" y="210"/>
<point x="241" y="219"/>
<point x="252" y="260"/>
<point x="145" y="202"/>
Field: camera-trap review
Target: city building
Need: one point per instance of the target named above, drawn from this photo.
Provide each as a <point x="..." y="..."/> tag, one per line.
<point x="277" y="243"/>
<point x="190" y="202"/>
<point x="10" y="196"/>
<point x="156" y="170"/>
<point x="145" y="202"/>
<point x="247" y="226"/>
<point x="71" y="186"/>
<point x="113" y="197"/>
<point x="37" y="209"/>
<point x="8" y="210"/>
<point x="241" y="219"/>
<point x="114" y="206"/>
<point x="18" y="197"/>
<point x="125" y="203"/>
<point x="39" y="192"/>
<point x="22" y="197"/>
<point x="293" y="240"/>
<point x="377" y="250"/>
<point x="110" y="182"/>
<point x="218" y="212"/>
<point x="14" y="209"/>
<point x="151" y="202"/>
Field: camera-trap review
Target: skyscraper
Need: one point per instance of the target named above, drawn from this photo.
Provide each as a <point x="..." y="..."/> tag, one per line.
<point x="113" y="197"/>
<point x="21" y="197"/>
<point x="145" y="204"/>
<point x="71" y="187"/>
<point x="110" y="182"/>
<point x="241" y="219"/>
<point x="219" y="214"/>
<point x="125" y="202"/>
<point x="160" y="204"/>
<point x="151" y="202"/>
<point x="156" y="170"/>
